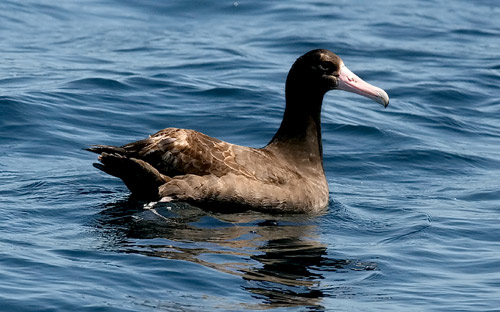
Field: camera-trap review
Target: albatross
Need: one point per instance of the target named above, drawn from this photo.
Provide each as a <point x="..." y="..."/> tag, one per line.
<point x="285" y="176"/>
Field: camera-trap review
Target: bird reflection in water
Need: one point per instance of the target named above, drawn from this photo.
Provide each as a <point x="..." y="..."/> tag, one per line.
<point x="280" y="258"/>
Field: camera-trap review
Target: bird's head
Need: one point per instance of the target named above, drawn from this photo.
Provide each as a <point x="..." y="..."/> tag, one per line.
<point x="323" y="70"/>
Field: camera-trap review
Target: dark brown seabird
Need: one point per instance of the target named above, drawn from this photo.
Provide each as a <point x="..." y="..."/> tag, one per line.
<point x="284" y="176"/>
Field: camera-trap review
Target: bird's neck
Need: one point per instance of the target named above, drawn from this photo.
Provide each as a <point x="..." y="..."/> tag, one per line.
<point x="300" y="130"/>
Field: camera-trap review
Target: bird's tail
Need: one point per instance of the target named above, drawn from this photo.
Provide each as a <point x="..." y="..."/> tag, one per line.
<point x="98" y="149"/>
<point x="141" y="178"/>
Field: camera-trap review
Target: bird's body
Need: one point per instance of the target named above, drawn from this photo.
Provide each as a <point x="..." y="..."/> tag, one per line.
<point x="284" y="176"/>
<point x="190" y="166"/>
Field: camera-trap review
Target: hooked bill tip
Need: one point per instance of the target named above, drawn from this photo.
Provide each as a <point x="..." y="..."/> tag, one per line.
<point x="383" y="98"/>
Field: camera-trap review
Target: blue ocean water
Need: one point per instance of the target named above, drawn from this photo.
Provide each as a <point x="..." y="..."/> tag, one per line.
<point x="414" y="218"/>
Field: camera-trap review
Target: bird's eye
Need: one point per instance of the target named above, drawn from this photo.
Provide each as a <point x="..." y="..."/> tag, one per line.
<point x="327" y="67"/>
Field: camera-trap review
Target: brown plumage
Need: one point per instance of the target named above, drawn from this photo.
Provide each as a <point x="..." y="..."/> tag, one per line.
<point x="284" y="176"/>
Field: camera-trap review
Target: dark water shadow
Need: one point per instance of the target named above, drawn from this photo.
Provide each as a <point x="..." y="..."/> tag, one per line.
<point x="279" y="257"/>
